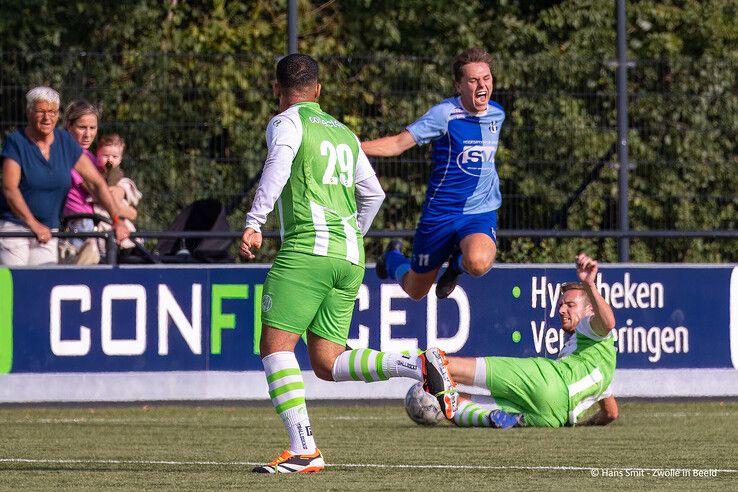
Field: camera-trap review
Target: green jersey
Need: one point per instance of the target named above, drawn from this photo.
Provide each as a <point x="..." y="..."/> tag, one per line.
<point x="552" y="393"/>
<point x="317" y="203"/>
<point x="587" y="365"/>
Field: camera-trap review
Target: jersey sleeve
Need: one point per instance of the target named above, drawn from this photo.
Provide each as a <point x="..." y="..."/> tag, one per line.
<point x="369" y="198"/>
<point x="369" y="193"/>
<point x="364" y="169"/>
<point x="283" y="137"/>
<point x="431" y="125"/>
<point x="284" y="130"/>
<point x="585" y="329"/>
<point x="11" y="149"/>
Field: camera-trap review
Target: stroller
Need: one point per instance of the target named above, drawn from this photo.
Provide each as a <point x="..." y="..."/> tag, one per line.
<point x="202" y="215"/>
<point x="93" y="250"/>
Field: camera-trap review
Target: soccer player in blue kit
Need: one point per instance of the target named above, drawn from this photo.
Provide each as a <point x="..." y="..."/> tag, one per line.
<point x="459" y="218"/>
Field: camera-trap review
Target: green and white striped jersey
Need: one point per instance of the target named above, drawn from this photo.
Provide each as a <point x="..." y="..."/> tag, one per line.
<point x="587" y="365"/>
<point x="317" y="204"/>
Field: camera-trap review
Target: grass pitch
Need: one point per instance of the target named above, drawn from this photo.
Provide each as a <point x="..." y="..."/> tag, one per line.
<point x="654" y="445"/>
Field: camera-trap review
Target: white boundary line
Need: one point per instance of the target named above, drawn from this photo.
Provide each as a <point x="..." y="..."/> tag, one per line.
<point x="360" y="465"/>
<point x="247" y="418"/>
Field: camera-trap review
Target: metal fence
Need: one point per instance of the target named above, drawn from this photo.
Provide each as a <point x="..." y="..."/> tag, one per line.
<point x="194" y="125"/>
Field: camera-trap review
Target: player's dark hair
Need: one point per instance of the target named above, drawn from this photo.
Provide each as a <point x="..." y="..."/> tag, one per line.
<point x="472" y="55"/>
<point x="297" y="71"/>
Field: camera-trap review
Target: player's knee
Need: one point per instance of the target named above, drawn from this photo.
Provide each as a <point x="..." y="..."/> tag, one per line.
<point x="322" y="364"/>
<point x="612" y="414"/>
<point x="416" y="291"/>
<point x="477" y="266"/>
<point x="323" y="371"/>
<point x="416" y="295"/>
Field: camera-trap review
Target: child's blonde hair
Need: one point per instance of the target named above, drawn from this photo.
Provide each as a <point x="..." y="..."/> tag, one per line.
<point x="112" y="139"/>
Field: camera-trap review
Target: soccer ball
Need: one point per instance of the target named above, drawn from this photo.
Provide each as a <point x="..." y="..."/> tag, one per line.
<point x="421" y="407"/>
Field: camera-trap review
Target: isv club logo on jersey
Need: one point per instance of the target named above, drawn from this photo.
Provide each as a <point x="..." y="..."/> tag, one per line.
<point x="477" y="160"/>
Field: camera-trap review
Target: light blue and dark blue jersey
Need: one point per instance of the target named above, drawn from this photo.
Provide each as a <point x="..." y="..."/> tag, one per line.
<point x="464" y="178"/>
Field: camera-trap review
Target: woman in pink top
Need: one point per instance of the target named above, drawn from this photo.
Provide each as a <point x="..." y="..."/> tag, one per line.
<point x="80" y="119"/>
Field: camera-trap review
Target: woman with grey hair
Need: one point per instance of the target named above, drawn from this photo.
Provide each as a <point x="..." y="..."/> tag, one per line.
<point x="37" y="163"/>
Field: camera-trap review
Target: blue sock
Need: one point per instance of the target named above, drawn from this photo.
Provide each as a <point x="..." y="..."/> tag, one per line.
<point x="397" y="264"/>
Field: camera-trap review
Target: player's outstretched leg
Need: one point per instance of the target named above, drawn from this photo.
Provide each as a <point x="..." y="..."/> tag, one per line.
<point x="471" y="414"/>
<point x="474" y="414"/>
<point x="438" y="381"/>
<point x="447" y="283"/>
<point x="371" y="365"/>
<point x="287" y="392"/>
<point x="390" y="260"/>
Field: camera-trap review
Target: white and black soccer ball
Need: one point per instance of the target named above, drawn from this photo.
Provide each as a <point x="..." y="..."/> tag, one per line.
<point x="421" y="407"/>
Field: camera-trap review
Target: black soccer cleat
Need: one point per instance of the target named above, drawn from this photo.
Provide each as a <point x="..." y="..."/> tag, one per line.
<point x="447" y="283"/>
<point x="381" y="268"/>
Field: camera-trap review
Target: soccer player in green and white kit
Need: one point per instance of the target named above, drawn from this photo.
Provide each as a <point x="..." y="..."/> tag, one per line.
<point x="328" y="196"/>
<point x="540" y="392"/>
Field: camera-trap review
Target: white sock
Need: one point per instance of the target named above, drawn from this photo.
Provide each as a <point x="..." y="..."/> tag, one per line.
<point x="481" y="372"/>
<point x="371" y="365"/>
<point x="287" y="391"/>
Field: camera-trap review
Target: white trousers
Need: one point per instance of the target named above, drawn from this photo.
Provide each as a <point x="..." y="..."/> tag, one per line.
<point x="25" y="251"/>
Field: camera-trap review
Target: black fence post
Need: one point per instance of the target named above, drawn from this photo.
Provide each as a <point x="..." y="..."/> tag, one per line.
<point x="111" y="249"/>
<point x="622" y="89"/>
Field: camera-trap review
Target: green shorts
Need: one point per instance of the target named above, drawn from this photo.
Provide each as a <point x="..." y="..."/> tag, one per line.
<point x="531" y="386"/>
<point x="306" y="292"/>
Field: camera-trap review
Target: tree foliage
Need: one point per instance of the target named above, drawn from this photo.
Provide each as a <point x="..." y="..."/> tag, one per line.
<point x="188" y="85"/>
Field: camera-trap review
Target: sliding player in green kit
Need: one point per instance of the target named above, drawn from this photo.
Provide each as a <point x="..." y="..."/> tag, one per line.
<point x="540" y="392"/>
<point x="328" y="196"/>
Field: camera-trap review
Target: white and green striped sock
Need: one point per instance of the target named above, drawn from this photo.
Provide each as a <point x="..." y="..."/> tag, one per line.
<point x="470" y="414"/>
<point x="287" y="391"/>
<point x="371" y="365"/>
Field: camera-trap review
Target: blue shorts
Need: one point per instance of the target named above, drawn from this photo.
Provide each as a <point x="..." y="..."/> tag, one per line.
<point x="435" y="239"/>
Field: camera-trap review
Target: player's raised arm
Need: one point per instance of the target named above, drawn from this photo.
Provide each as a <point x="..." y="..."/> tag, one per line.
<point x="389" y="146"/>
<point x="604" y="319"/>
